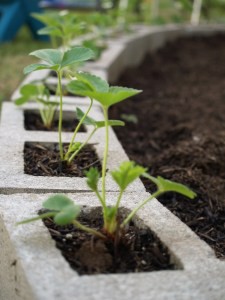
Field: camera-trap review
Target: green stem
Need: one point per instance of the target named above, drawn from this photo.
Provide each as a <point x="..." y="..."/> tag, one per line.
<point x="59" y="73"/>
<point x="42" y="216"/>
<point x="104" y="165"/>
<point x="101" y="200"/>
<point x="118" y="200"/>
<point x="82" y="146"/>
<point x="131" y="215"/>
<point x="77" y="129"/>
<point x="89" y="230"/>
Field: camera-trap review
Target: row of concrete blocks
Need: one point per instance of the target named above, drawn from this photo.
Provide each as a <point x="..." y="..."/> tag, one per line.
<point x="30" y="265"/>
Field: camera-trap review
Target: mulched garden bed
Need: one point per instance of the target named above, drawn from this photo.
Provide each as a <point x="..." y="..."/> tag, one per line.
<point x="139" y="251"/>
<point x="43" y="159"/>
<point x="32" y="121"/>
<point x="181" y="130"/>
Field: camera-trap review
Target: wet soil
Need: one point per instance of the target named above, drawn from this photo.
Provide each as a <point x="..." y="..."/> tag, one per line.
<point x="139" y="250"/>
<point x="180" y="133"/>
<point x="43" y="159"/>
<point x="33" y="121"/>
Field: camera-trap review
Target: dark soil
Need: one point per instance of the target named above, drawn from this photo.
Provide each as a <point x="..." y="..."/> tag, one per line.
<point x="43" y="159"/>
<point x="181" y="130"/>
<point x="139" y="250"/>
<point x="32" y="121"/>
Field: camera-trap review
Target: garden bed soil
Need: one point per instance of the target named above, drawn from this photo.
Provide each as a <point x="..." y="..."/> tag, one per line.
<point x="139" y="250"/>
<point x="43" y="159"/>
<point x="32" y="121"/>
<point x="180" y="133"/>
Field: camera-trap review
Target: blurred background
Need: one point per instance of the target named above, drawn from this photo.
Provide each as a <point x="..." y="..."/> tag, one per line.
<point x="18" y="28"/>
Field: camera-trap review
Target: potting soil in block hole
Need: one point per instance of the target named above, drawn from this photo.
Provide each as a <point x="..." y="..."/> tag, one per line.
<point x="180" y="133"/>
<point x="33" y="121"/>
<point x="43" y="159"/>
<point x="137" y="250"/>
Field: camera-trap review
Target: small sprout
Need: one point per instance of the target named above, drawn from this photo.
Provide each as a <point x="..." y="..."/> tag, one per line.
<point x="41" y="95"/>
<point x="129" y="118"/>
<point x="63" y="26"/>
<point x="96" y="46"/>
<point x="93" y="177"/>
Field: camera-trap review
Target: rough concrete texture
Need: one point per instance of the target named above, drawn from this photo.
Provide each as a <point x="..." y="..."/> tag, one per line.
<point x="45" y="274"/>
<point x="12" y="177"/>
<point x="35" y="76"/>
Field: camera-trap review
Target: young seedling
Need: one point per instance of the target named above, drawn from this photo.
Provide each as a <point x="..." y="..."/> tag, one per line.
<point x="96" y="45"/>
<point x="40" y="94"/>
<point x="131" y="118"/>
<point x="57" y="60"/>
<point x="63" y="26"/>
<point x="65" y="212"/>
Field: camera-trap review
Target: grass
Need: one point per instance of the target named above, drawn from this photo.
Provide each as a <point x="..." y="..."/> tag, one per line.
<point x="14" y="57"/>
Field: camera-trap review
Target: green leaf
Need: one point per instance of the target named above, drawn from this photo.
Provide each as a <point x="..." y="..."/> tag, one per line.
<point x="67" y="215"/>
<point x="87" y="120"/>
<point x="113" y="96"/>
<point x="166" y="185"/>
<point x="21" y="100"/>
<point x="127" y="173"/>
<point x="57" y="202"/>
<point x="34" y="67"/>
<point x="75" y="147"/>
<point x="118" y="94"/>
<point x="94" y="82"/>
<point x="51" y="56"/>
<point x="77" y="54"/>
<point x="51" y="19"/>
<point x="100" y="124"/>
<point x="81" y="88"/>
<point x="29" y="90"/>
<point x="50" y="30"/>
<point x="92" y="178"/>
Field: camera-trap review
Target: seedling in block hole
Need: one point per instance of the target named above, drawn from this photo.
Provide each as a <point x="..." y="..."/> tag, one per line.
<point x="41" y="95"/>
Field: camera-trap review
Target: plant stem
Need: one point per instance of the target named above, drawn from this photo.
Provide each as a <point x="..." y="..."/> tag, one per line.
<point x="89" y="230"/>
<point x="101" y="200"/>
<point x="82" y="146"/>
<point x="104" y="165"/>
<point x="59" y="73"/>
<point x="119" y="199"/>
<point x="131" y="215"/>
<point x="77" y="129"/>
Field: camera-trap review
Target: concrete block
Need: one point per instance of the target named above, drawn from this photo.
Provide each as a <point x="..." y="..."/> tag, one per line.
<point x="32" y="258"/>
<point x="12" y="177"/>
